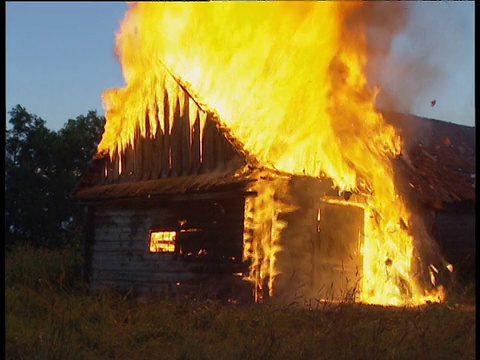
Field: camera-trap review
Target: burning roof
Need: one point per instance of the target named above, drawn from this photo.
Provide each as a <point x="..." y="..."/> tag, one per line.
<point x="191" y="151"/>
<point x="438" y="162"/>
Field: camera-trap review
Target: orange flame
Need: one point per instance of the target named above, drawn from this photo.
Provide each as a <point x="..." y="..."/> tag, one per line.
<point x="288" y="79"/>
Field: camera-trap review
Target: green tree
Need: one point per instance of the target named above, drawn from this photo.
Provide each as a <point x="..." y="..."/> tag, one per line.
<point x="41" y="169"/>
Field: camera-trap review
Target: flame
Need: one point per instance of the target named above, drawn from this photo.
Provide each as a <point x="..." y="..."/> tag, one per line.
<point x="263" y="228"/>
<point x="288" y="80"/>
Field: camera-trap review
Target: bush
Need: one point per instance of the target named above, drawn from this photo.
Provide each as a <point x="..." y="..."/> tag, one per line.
<point x="57" y="270"/>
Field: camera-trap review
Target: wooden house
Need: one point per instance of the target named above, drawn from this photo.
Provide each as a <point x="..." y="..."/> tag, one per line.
<point x="190" y="208"/>
<point x="182" y="209"/>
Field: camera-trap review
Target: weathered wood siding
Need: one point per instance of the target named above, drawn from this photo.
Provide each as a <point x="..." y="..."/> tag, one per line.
<point x="455" y="233"/>
<point x="451" y="228"/>
<point x="119" y="255"/>
<point x="306" y="270"/>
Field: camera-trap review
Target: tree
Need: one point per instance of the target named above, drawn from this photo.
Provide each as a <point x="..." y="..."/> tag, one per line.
<point x="41" y="169"/>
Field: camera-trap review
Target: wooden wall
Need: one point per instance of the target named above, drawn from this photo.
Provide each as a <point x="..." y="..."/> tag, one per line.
<point x="449" y="236"/>
<point x="455" y="232"/>
<point x="118" y="253"/>
<point x="307" y="269"/>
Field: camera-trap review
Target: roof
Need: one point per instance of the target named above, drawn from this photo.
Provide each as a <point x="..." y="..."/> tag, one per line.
<point x="437" y="164"/>
<point x="216" y="181"/>
<point x="438" y="160"/>
<point x="181" y="161"/>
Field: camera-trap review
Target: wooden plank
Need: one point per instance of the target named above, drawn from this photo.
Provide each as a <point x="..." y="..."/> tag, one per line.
<point x="208" y="161"/>
<point x="121" y="245"/>
<point x="148" y="158"/>
<point x="219" y="150"/>
<point x="138" y="144"/>
<point x="112" y="173"/>
<point x="154" y="157"/>
<point x="104" y="173"/>
<point x="116" y="215"/>
<point x="176" y="143"/>
<point x="127" y="230"/>
<point x="196" y="143"/>
<point x="109" y="217"/>
<point x="226" y="150"/>
<point x="215" y="145"/>
<point x="166" y="149"/>
<point x="116" y="167"/>
<point x="128" y="161"/>
<point x="185" y="138"/>
<point x="121" y="227"/>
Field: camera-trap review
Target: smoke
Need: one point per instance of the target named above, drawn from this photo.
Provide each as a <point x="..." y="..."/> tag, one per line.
<point x="401" y="77"/>
<point x="384" y="21"/>
<point x="420" y="52"/>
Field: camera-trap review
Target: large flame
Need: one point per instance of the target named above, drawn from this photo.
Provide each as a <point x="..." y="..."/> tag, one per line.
<point x="288" y="79"/>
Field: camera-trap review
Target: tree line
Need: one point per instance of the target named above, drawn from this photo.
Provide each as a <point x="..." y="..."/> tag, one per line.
<point x="42" y="167"/>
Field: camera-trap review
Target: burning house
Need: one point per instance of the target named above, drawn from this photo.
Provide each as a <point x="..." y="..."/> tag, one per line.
<point x="293" y="184"/>
<point x="180" y="207"/>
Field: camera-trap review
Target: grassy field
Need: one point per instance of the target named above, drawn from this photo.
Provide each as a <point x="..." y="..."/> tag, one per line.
<point x="50" y="315"/>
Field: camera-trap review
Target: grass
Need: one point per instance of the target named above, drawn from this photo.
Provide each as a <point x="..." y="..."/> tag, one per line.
<point x="51" y="315"/>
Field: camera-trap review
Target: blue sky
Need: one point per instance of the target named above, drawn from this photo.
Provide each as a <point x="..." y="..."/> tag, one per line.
<point x="60" y="58"/>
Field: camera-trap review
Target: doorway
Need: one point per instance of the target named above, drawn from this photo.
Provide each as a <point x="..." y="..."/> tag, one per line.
<point x="337" y="260"/>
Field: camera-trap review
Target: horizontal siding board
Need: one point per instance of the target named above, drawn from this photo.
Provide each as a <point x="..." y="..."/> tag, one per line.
<point x="121" y="259"/>
<point x="120" y="244"/>
<point x="116" y="215"/>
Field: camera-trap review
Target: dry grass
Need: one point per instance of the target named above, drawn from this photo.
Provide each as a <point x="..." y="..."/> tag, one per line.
<point x="50" y="315"/>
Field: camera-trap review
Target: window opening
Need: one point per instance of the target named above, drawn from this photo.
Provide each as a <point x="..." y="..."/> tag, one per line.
<point x="162" y="241"/>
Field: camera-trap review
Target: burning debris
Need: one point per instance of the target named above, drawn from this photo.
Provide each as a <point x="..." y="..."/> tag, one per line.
<point x="287" y="79"/>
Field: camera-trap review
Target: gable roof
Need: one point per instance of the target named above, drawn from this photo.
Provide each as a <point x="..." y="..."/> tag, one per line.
<point x="198" y="154"/>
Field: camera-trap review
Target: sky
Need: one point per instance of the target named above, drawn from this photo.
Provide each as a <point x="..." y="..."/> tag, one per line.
<point x="60" y="58"/>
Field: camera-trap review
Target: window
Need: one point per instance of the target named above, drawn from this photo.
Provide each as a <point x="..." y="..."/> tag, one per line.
<point x="162" y="241"/>
<point x="193" y="244"/>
